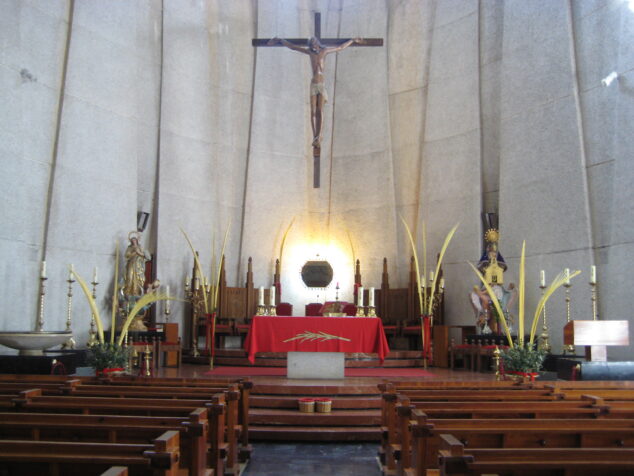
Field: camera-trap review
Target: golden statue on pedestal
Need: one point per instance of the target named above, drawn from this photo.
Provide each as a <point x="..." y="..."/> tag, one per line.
<point x="133" y="286"/>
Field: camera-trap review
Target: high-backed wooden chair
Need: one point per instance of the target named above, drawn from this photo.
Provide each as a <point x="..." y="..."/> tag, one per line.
<point x="284" y="309"/>
<point x="349" y="309"/>
<point x="313" y="309"/>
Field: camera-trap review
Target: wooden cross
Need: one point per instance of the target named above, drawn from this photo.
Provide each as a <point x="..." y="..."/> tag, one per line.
<point x="327" y="42"/>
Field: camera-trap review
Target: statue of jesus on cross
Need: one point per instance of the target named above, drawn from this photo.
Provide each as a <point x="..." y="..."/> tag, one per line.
<point x="318" y="97"/>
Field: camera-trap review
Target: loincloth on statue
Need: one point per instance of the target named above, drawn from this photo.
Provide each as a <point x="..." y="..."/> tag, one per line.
<point x="318" y="88"/>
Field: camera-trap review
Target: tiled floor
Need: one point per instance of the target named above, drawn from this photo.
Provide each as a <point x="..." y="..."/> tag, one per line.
<point x="313" y="459"/>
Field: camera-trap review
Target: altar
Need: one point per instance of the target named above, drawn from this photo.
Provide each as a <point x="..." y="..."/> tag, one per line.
<point x="316" y="335"/>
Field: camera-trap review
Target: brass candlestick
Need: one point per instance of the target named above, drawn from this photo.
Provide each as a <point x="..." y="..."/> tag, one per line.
<point x="70" y="343"/>
<point x="544" y="344"/>
<point x="272" y="311"/>
<point x="371" y="311"/>
<point x="261" y="310"/>
<point x="569" y="348"/>
<point x="496" y="360"/>
<point x="92" y="335"/>
<point x="593" y="297"/>
<point x="147" y="361"/>
<point x="360" y="311"/>
<point x="192" y="292"/>
<point x="40" y="317"/>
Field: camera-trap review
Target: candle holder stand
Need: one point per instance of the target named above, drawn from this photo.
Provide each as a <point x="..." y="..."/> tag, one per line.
<point x="92" y="335"/>
<point x="70" y="343"/>
<point x="569" y="349"/>
<point x="371" y="311"/>
<point x="40" y="317"/>
<point x="544" y="343"/>
<point x="593" y="297"/>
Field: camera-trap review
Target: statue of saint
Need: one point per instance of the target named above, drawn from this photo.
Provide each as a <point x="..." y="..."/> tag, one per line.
<point x="318" y="97"/>
<point x="492" y="266"/>
<point x="135" y="258"/>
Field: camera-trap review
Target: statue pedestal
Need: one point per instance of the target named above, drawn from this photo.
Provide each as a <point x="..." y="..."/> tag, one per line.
<point x="596" y="336"/>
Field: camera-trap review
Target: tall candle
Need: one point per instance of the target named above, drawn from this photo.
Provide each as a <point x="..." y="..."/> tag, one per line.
<point x="442" y="283"/>
<point x="423" y="283"/>
<point x="94" y="276"/>
<point x="196" y="283"/>
<point x="187" y="281"/>
<point x="261" y="296"/>
<point x="567" y="274"/>
<point x="360" y="296"/>
<point x="593" y="274"/>
<point x="431" y="275"/>
<point x="272" y="296"/>
<point x="71" y="272"/>
<point x="43" y="270"/>
<point x="542" y="278"/>
<point x="167" y="303"/>
<point x="371" y="297"/>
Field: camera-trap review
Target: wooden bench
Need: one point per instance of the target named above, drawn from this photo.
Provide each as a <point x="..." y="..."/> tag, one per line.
<point x="222" y="440"/>
<point x="114" y="429"/>
<point x="512" y="433"/>
<point x="454" y="458"/>
<point x="25" y="457"/>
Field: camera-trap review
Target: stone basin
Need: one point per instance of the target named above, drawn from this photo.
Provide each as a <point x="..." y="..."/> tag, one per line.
<point x="33" y="343"/>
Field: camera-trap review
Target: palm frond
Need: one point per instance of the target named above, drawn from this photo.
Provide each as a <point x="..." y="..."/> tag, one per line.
<point x="522" y="295"/>
<point x="411" y="240"/>
<point x="496" y="303"/>
<point x="559" y="280"/>
<point x="92" y="304"/>
<point x="114" y="293"/>
<point x="142" y="302"/>
<point x="284" y="240"/>
<point x="440" y="257"/>
<point x="354" y="257"/>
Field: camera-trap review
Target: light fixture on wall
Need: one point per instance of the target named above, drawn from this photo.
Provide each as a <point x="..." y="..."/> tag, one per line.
<point x="141" y="221"/>
<point x="609" y="78"/>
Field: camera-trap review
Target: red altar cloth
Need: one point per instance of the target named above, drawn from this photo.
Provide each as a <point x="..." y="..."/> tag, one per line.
<point x="316" y="334"/>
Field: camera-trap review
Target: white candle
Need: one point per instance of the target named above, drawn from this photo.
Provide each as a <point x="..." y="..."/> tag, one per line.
<point x="70" y="273"/>
<point x="187" y="281"/>
<point x="94" y="276"/>
<point x="423" y="283"/>
<point x="567" y="274"/>
<point x="261" y="296"/>
<point x="196" y="283"/>
<point x="167" y="303"/>
<point x="360" y="296"/>
<point x="593" y="274"/>
<point x="542" y="278"/>
<point x="43" y="270"/>
<point x="371" y="297"/>
<point x="431" y="275"/>
<point x="442" y="283"/>
<point x="272" y="296"/>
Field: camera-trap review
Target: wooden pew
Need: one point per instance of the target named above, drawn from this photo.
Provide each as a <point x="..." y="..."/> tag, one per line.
<point x="514" y="433"/>
<point x="25" y="457"/>
<point x="454" y="458"/>
<point x="114" y="429"/>
<point x="223" y="449"/>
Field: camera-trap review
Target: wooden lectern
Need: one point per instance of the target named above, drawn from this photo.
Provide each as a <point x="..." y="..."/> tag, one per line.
<point x="595" y="336"/>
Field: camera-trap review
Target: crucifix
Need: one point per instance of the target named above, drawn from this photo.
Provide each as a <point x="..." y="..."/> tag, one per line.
<point x="317" y="48"/>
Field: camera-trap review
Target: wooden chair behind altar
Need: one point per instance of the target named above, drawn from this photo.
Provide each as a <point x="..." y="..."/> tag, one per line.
<point x="284" y="309"/>
<point x="313" y="309"/>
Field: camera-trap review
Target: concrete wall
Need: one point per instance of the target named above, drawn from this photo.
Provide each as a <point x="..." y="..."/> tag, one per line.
<point x="469" y="107"/>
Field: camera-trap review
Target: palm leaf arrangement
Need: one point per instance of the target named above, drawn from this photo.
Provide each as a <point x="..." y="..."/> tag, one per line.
<point x="427" y="302"/>
<point x="522" y="356"/>
<point x="109" y="354"/>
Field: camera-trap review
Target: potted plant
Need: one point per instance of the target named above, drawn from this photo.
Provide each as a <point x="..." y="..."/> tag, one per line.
<point x="521" y="358"/>
<point x="108" y="358"/>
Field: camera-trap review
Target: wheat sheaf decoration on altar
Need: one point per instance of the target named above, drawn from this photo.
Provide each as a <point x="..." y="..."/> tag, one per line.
<point x="426" y="302"/>
<point x="319" y="336"/>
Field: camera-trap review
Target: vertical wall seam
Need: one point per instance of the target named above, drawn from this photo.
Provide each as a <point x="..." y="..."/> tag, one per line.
<point x="249" y="135"/>
<point x="157" y="178"/>
<point x="580" y="125"/>
<point x="58" y="128"/>
<point x="481" y="122"/>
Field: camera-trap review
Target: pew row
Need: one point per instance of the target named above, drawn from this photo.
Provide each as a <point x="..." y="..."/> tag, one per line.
<point x="26" y="457"/>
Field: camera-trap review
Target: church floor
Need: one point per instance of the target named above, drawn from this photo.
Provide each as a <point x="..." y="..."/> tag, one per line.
<point x="313" y="459"/>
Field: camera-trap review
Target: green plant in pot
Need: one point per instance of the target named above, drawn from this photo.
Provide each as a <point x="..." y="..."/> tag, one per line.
<point x="113" y="355"/>
<point x="524" y="357"/>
